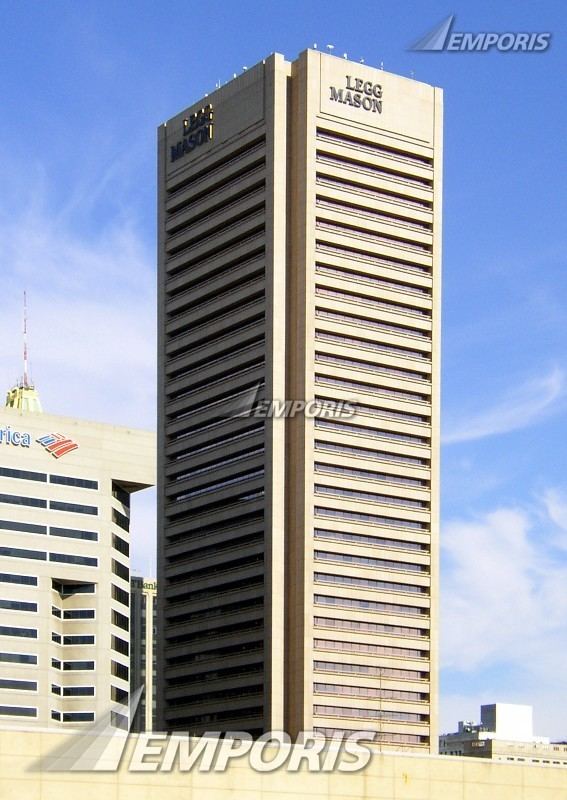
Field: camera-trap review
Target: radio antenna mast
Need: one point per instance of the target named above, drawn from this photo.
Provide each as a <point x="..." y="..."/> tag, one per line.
<point x="25" y="334"/>
<point x="23" y="395"/>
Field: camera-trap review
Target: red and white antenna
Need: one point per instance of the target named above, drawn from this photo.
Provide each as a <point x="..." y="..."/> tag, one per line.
<point x="25" y="332"/>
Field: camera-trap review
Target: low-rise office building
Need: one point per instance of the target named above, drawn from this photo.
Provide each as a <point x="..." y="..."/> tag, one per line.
<point x="505" y="733"/>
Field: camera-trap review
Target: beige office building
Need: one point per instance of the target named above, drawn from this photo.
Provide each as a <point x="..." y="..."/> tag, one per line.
<point x="299" y="240"/>
<point x="143" y="612"/>
<point x="65" y="487"/>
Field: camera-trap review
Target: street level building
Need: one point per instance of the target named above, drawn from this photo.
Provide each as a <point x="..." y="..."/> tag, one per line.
<point x="65" y="489"/>
<point x="143" y="631"/>
<point x="299" y="259"/>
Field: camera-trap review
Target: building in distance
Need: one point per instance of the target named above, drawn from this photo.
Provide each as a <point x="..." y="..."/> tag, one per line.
<point x="143" y="611"/>
<point x="505" y="733"/>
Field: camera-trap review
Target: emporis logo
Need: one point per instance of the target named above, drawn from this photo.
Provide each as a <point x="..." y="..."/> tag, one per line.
<point x="57" y="444"/>
<point x="444" y="39"/>
<point x="107" y="746"/>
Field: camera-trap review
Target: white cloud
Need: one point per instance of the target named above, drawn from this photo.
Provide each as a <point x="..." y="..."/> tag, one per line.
<point x="91" y="298"/>
<point x="524" y="406"/>
<point x="504" y="611"/>
<point x="91" y="295"/>
<point x="556" y="506"/>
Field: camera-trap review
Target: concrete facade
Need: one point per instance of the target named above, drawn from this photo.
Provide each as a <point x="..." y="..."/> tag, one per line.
<point x="299" y="240"/>
<point x="64" y="564"/>
<point x="386" y="777"/>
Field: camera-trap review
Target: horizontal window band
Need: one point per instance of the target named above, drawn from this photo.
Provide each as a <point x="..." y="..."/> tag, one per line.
<point x="369" y="541"/>
<point x="371" y="670"/>
<point x="18" y="658"/>
<point x="22" y="527"/>
<point x="18" y="605"/>
<point x="371" y="497"/>
<point x="369" y="561"/>
<point x="381" y="194"/>
<point x="363" y="299"/>
<point x="18" y="685"/>
<point x="370" y="583"/>
<point x="365" y="168"/>
<point x="378" y="606"/>
<point x="348" y="428"/>
<point x="372" y="519"/>
<point x="365" y="145"/>
<point x="23" y="474"/>
<point x="370" y="649"/>
<point x="371" y="388"/>
<point x="355" y="319"/>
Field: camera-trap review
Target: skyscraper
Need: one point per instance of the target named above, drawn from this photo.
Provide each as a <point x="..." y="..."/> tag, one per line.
<point x="143" y="650"/>
<point x="65" y="487"/>
<point x="299" y="258"/>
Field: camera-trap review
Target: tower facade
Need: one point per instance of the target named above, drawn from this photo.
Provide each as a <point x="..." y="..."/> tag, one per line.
<point x="143" y="612"/>
<point x="299" y="240"/>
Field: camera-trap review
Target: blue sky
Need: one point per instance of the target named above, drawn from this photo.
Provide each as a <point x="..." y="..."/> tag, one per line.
<point x="83" y="86"/>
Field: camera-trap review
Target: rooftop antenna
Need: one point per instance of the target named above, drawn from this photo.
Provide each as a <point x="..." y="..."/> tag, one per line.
<point x="412" y="74"/>
<point x="244" y="69"/>
<point x="314" y="45"/>
<point x="381" y="65"/>
<point x="345" y="55"/>
<point x="362" y="61"/>
<point x="23" y="395"/>
<point x="25" y="381"/>
<point x="330" y="48"/>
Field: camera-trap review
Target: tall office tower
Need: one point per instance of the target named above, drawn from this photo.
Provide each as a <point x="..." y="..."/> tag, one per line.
<point x="300" y="234"/>
<point x="143" y="612"/>
<point x="65" y="488"/>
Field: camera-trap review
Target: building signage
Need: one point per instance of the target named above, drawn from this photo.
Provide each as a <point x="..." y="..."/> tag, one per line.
<point x="17" y="438"/>
<point x="57" y="444"/>
<point x="197" y="129"/>
<point x="359" y="94"/>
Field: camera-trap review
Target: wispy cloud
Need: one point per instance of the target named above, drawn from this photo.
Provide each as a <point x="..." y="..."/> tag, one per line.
<point x="91" y="291"/>
<point x="523" y="406"/>
<point x="555" y="503"/>
<point x="504" y="608"/>
<point x="90" y="280"/>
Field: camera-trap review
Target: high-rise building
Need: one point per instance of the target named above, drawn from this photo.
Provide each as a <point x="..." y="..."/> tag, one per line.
<point x="299" y="259"/>
<point x="143" y="612"/>
<point x="65" y="487"/>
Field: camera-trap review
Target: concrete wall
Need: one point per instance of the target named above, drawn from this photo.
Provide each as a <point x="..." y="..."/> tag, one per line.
<point x="387" y="777"/>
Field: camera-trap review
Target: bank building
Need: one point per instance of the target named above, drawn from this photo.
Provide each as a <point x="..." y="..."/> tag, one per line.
<point x="299" y="234"/>
<point x="65" y="492"/>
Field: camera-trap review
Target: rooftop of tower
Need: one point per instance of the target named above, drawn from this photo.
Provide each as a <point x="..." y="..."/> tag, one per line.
<point x="24" y="396"/>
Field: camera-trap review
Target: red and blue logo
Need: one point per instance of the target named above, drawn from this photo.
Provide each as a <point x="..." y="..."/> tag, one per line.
<point x="57" y="444"/>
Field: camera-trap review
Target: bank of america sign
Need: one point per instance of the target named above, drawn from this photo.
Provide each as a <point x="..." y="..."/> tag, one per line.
<point x="57" y="444"/>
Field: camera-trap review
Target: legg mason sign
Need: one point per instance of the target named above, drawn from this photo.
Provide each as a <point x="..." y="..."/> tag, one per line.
<point x="359" y="94"/>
